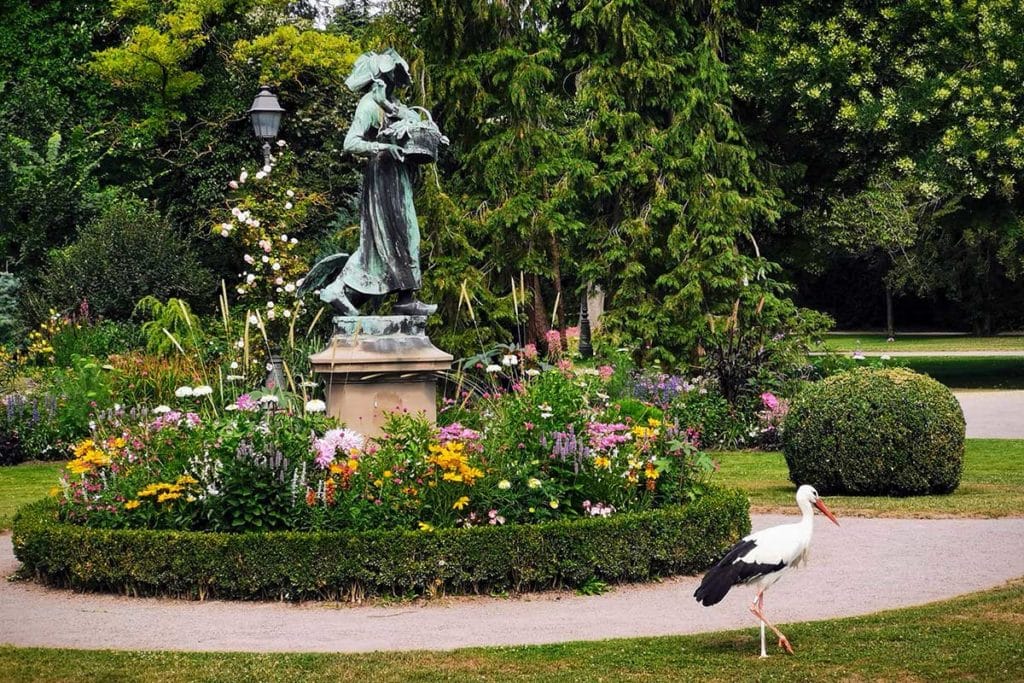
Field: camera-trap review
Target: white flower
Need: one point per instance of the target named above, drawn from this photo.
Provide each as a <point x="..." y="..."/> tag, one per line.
<point x="248" y="258"/>
<point x="161" y="409"/>
<point x="267" y="399"/>
<point x="510" y="360"/>
<point x="265" y="258"/>
<point x="243" y="176"/>
<point x="250" y="278"/>
<point x="234" y="365"/>
<point x="231" y="406"/>
<point x="290" y="193"/>
<point x="533" y="372"/>
<point x="284" y="238"/>
<point x="546" y="415"/>
<point x="235" y="378"/>
<point x="266" y="169"/>
<point x="224" y="233"/>
<point x="253" y="320"/>
<point x="315" y="406"/>
<point x="286" y="313"/>
<point x="281" y="143"/>
<point x="289" y="288"/>
<point x="276" y="266"/>
<point x="233" y="184"/>
<point x="271" y="314"/>
<point x="287" y="205"/>
<point x="504" y="484"/>
<point x="202" y="390"/>
<point x="309" y="385"/>
<point x="492" y="368"/>
<point x="279" y="281"/>
<point x="533" y="483"/>
<point x="240" y="344"/>
<point x="270" y="304"/>
<point x="885" y="356"/>
<point x="260" y="175"/>
<point x="294" y="240"/>
<point x="183" y="392"/>
<point x="858" y="355"/>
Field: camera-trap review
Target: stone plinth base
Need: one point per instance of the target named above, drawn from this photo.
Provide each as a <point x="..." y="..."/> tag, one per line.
<point x="376" y="365"/>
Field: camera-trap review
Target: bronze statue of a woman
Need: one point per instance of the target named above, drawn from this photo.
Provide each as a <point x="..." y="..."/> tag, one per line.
<point x="394" y="138"/>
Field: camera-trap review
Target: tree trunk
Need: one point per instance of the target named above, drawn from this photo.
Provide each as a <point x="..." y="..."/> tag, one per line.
<point x="890" y="321"/>
<point x="537" y="315"/>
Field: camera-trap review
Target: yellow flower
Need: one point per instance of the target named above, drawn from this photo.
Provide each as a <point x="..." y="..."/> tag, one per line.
<point x="426" y="527"/>
<point x="185" y="480"/>
<point x="460" y="503"/>
<point x="553" y="504"/>
<point x="378" y="483"/>
<point x="452" y="476"/>
<point x="164" y="497"/>
<point x="132" y="504"/>
<point x="654" y="424"/>
<point x="533" y="483"/>
<point x="388" y="474"/>
<point x="54" y="491"/>
<point x="602" y="463"/>
<point x="353" y="464"/>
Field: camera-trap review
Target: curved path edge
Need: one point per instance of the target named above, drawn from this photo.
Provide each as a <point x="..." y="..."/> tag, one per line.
<point x="865" y="566"/>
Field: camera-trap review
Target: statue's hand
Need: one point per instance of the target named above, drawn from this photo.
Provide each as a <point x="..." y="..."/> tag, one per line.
<point x="396" y="152"/>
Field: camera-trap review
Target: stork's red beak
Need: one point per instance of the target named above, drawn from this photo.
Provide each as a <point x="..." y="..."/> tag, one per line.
<point x="825" y="511"/>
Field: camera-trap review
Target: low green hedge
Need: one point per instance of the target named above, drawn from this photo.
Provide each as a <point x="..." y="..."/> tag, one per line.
<point x="338" y="565"/>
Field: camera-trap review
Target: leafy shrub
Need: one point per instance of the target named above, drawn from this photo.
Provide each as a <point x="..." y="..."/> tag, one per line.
<point x="96" y="339"/>
<point x="10" y="319"/>
<point x="29" y="430"/>
<point x="884" y="432"/>
<point x="353" y="565"/>
<point x="126" y="253"/>
<point x="705" y="410"/>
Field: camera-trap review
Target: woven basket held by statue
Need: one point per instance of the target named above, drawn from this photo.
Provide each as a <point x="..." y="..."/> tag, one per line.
<point x="419" y="139"/>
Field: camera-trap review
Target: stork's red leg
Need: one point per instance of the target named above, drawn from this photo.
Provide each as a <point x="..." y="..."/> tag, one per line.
<point x="758" y="610"/>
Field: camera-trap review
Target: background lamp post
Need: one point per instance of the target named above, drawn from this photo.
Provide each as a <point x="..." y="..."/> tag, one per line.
<point x="265" y="113"/>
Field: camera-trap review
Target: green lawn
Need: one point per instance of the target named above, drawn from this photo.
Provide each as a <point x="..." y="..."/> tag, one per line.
<point x="879" y="342"/>
<point x="992" y="485"/>
<point x="22" y="484"/>
<point x="976" y="638"/>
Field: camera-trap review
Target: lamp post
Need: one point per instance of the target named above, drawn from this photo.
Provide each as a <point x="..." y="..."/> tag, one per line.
<point x="586" y="348"/>
<point x="265" y="113"/>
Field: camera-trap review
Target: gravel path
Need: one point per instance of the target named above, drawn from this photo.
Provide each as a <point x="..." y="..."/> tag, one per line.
<point x="993" y="414"/>
<point x="864" y="566"/>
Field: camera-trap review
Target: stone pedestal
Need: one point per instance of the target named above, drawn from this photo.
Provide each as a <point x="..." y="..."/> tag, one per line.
<point x="376" y="365"/>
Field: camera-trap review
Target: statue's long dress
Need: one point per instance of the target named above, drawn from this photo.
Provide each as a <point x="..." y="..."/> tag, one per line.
<point x="388" y="258"/>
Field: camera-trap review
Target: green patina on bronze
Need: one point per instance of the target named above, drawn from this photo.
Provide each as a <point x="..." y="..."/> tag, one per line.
<point x="394" y="138"/>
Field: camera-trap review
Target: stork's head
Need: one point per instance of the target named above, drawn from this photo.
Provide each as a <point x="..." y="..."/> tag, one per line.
<point x="807" y="495"/>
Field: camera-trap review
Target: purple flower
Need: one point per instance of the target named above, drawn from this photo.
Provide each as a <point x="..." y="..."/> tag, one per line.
<point x="344" y="441"/>
<point x="247" y="403"/>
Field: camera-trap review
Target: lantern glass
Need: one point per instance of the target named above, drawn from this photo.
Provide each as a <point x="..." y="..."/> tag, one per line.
<point x="266" y="123"/>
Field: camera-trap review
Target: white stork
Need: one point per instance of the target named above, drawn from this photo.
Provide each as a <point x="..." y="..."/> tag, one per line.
<point x="761" y="558"/>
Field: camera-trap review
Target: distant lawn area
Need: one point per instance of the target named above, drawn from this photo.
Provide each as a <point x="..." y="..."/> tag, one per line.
<point x="937" y="342"/>
<point x="992" y="485"/>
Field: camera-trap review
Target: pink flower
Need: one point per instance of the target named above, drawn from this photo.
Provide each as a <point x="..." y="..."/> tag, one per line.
<point x="344" y="441"/>
<point x="530" y="352"/>
<point x="769" y="400"/>
<point x="605" y="372"/>
<point x="554" y="341"/>
<point x="246" y="402"/>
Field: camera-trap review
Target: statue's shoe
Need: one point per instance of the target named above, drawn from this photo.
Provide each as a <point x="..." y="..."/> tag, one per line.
<point x="415" y="308"/>
<point x="335" y="296"/>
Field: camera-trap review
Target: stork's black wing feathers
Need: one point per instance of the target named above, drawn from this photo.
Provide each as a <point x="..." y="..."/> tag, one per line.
<point x="732" y="570"/>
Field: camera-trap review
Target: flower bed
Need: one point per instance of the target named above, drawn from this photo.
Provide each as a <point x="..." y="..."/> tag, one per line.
<point x="353" y="565"/>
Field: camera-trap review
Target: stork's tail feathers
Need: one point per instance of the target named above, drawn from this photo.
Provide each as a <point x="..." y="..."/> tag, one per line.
<point x="323" y="272"/>
<point x="715" y="585"/>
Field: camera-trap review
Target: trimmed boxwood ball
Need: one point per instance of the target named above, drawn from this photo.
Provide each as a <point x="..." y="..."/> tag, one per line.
<point x="875" y="432"/>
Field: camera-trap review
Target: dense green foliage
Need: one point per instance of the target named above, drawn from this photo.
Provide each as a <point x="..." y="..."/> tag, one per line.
<point x="126" y="253"/>
<point x="900" y="123"/>
<point x="885" y="431"/>
<point x="295" y="566"/>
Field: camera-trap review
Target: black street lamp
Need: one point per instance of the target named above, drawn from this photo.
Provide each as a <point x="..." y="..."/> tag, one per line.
<point x="265" y="113"/>
<point x="586" y="348"/>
